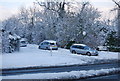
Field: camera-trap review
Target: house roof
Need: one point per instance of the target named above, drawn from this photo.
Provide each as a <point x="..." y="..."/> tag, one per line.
<point x="52" y="41"/>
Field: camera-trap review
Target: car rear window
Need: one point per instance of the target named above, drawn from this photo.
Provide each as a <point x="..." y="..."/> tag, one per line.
<point x="74" y="46"/>
<point x="46" y="43"/>
<point x="52" y="43"/>
<point x="23" y="42"/>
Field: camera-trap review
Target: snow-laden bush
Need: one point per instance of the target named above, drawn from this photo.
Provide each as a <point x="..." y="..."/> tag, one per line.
<point x="10" y="42"/>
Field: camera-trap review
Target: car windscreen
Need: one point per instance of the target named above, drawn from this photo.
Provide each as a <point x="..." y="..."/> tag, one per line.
<point x="87" y="48"/>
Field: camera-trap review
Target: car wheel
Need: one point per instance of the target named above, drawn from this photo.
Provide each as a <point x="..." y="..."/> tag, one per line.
<point x="96" y="55"/>
<point x="74" y="52"/>
<point x="88" y="53"/>
<point x="98" y="49"/>
<point x="56" y="49"/>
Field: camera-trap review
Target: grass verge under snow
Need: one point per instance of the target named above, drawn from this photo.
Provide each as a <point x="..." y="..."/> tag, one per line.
<point x="31" y="56"/>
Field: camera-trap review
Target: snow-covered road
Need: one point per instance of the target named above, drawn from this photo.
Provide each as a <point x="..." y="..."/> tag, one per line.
<point x="7" y="72"/>
<point x="66" y="75"/>
<point x="32" y="56"/>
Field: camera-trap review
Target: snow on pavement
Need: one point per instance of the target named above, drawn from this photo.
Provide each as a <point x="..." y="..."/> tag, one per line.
<point x="65" y="75"/>
<point x="32" y="56"/>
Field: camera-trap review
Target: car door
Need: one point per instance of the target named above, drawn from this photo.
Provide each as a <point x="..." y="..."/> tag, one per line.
<point x="81" y="49"/>
<point x="74" y="48"/>
<point x="77" y="49"/>
<point x="46" y="45"/>
<point x="86" y="49"/>
<point x="42" y="45"/>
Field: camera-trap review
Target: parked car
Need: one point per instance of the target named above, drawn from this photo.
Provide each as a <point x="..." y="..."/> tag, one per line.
<point x="102" y="48"/>
<point x="48" y="44"/>
<point x="23" y="42"/>
<point x="83" y="49"/>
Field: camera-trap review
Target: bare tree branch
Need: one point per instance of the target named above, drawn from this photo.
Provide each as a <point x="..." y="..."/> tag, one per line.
<point x="116" y="3"/>
<point x="83" y="6"/>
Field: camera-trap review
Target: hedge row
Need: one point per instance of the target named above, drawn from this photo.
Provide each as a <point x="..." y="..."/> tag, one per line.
<point x="114" y="49"/>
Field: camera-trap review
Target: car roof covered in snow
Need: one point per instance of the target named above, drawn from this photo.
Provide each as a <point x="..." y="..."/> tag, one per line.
<point x="80" y="44"/>
<point x="23" y="39"/>
<point x="51" y="41"/>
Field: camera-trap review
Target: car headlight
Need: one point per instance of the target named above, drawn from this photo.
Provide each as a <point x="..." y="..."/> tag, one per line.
<point x="94" y="51"/>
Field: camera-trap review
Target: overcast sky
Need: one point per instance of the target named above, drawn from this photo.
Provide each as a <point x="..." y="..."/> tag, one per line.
<point x="9" y="7"/>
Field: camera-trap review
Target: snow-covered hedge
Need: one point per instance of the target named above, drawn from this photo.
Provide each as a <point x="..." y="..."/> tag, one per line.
<point x="10" y="42"/>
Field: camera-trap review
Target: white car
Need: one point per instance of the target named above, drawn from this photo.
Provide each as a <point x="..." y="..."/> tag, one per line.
<point x="102" y="48"/>
<point x="23" y="42"/>
<point x="83" y="49"/>
<point x="48" y="45"/>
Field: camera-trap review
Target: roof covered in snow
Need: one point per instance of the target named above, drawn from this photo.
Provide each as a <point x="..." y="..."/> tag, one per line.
<point x="51" y="41"/>
<point x="80" y="44"/>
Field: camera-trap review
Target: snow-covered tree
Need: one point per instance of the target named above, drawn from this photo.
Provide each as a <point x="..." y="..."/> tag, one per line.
<point x="61" y="21"/>
<point x="118" y="15"/>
